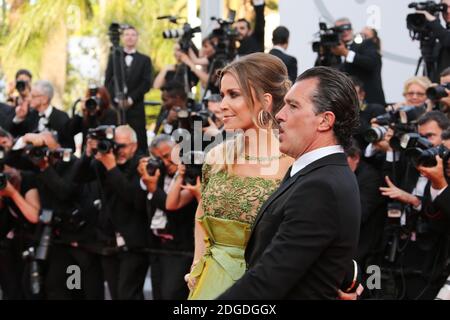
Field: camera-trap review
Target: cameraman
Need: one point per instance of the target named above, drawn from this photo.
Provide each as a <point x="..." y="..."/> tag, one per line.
<point x="443" y="37"/>
<point x="21" y="85"/>
<point x="173" y="98"/>
<point x="361" y="60"/>
<point x="122" y="223"/>
<point x="19" y="211"/>
<point x="252" y="41"/>
<point x="72" y="224"/>
<point x="95" y="111"/>
<point x="172" y="225"/>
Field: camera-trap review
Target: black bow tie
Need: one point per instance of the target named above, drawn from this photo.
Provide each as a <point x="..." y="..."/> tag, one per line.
<point x="129" y="54"/>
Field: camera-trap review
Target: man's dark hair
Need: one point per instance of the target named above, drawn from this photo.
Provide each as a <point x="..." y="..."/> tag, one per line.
<point x="437" y="116"/>
<point x="24" y="72"/>
<point x="445" y="134"/>
<point x="445" y="72"/>
<point x="336" y="93"/>
<point x="246" y="22"/>
<point x="175" y="89"/>
<point x="280" y="35"/>
<point x="5" y="134"/>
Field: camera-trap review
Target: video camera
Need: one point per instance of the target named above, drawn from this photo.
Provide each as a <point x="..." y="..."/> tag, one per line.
<point x="185" y="35"/>
<point x="104" y="135"/>
<point x="329" y="37"/>
<point x="417" y="22"/>
<point x="226" y="39"/>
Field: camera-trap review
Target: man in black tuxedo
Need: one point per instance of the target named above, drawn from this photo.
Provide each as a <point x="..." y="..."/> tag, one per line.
<point x="172" y="227"/>
<point x="138" y="81"/>
<point x="252" y="41"/>
<point x="280" y="40"/>
<point x="361" y="60"/>
<point x="122" y="222"/>
<point x="307" y="232"/>
<point x="42" y="116"/>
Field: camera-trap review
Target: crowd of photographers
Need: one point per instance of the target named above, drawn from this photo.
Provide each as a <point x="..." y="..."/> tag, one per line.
<point x="118" y="207"/>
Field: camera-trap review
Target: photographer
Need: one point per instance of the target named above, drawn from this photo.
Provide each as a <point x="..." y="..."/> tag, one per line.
<point x="96" y="111"/>
<point x="174" y="98"/>
<point x="42" y="116"/>
<point x="138" y="81"/>
<point x="122" y="223"/>
<point x="361" y="60"/>
<point x="442" y="35"/>
<point x="72" y="226"/>
<point x="20" y="89"/>
<point x="440" y="93"/>
<point x="19" y="211"/>
<point x="172" y="224"/>
<point x="252" y="41"/>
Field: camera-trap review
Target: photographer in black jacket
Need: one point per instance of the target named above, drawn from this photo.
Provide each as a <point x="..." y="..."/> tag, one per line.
<point x="122" y="224"/>
<point x="172" y="222"/>
<point x="72" y="223"/>
<point x="252" y="40"/>
<point x="442" y="34"/>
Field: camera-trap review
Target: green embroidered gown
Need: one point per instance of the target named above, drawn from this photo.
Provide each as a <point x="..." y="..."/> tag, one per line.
<point x="230" y="206"/>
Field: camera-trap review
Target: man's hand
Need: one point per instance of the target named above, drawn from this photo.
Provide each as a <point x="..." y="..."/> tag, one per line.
<point x="393" y="192"/>
<point x="195" y="190"/>
<point x="8" y="191"/>
<point x="340" y="50"/>
<point x="90" y="146"/>
<point x="351" y="296"/>
<point x="427" y="15"/>
<point x="108" y="160"/>
<point x="36" y="139"/>
<point x="151" y="182"/>
<point x="435" y="174"/>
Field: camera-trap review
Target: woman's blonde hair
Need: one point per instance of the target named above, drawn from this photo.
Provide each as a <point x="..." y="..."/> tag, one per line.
<point x="256" y="75"/>
<point x="424" y="82"/>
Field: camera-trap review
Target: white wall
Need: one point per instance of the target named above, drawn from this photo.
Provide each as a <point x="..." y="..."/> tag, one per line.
<point x="400" y="54"/>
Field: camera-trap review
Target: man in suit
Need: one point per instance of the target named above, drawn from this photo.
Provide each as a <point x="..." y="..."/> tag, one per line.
<point x="172" y="227"/>
<point x="6" y="116"/>
<point x="361" y="60"/>
<point x="137" y="80"/>
<point x="280" y="40"/>
<point x="252" y="40"/>
<point x="38" y="115"/>
<point x="122" y="222"/>
<point x="307" y="232"/>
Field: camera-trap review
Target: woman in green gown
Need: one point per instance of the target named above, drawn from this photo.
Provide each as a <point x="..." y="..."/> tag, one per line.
<point x="239" y="174"/>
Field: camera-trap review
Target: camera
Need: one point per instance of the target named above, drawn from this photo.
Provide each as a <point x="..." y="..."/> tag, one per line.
<point x="104" y="135"/>
<point x="329" y="37"/>
<point x="115" y="30"/>
<point x="185" y="35"/>
<point x="417" y="22"/>
<point x="193" y="161"/>
<point x="37" y="154"/>
<point x="92" y="103"/>
<point x="153" y="165"/>
<point x="226" y="39"/>
<point x="438" y="92"/>
<point x="422" y="156"/>
<point x="21" y="86"/>
<point x="375" y="134"/>
<point x="187" y="118"/>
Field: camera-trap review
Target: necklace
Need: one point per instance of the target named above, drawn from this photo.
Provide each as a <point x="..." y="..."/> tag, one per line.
<point x="263" y="159"/>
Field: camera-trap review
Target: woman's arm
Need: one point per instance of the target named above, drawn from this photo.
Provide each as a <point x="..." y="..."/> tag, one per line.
<point x="29" y="206"/>
<point x="177" y="198"/>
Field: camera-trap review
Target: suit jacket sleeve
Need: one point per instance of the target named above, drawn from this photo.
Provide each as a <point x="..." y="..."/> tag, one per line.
<point x="305" y="232"/>
<point x="367" y="57"/>
<point x="128" y="190"/>
<point x="146" y="81"/>
<point x="369" y="193"/>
